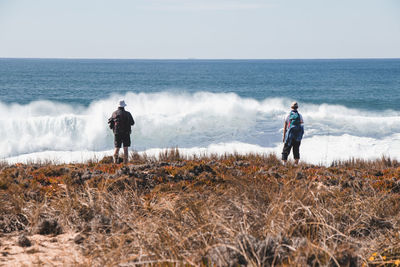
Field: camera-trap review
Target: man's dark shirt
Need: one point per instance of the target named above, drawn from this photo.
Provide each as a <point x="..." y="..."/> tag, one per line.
<point x="124" y="120"/>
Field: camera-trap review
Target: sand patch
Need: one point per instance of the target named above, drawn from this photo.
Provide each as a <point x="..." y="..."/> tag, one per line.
<point x="57" y="250"/>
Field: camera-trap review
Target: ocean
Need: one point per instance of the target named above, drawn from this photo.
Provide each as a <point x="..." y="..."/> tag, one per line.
<point x="57" y="109"/>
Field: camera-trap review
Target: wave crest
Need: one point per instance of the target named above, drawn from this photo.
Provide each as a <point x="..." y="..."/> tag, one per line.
<point x="182" y="120"/>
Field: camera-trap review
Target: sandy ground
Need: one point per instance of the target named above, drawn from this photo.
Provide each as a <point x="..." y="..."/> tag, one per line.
<point x="45" y="251"/>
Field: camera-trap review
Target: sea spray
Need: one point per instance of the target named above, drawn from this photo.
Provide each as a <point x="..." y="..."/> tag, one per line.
<point x="202" y="122"/>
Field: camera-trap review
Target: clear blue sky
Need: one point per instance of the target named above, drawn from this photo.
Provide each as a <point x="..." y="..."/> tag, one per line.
<point x="200" y="28"/>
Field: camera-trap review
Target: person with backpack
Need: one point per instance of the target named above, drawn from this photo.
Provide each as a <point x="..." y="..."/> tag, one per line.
<point x="121" y="122"/>
<point x="293" y="131"/>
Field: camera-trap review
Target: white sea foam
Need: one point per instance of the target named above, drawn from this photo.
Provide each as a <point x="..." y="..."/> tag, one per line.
<point x="205" y="123"/>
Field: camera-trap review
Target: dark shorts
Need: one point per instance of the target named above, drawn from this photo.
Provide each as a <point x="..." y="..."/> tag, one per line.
<point x="296" y="150"/>
<point x="122" y="139"/>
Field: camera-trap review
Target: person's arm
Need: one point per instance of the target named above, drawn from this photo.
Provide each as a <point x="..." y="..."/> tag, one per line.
<point x="111" y="122"/>
<point x="284" y="131"/>
<point x="132" y="122"/>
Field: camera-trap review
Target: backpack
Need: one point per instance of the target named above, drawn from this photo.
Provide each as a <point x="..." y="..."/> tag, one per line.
<point x="296" y="130"/>
<point x="294" y="118"/>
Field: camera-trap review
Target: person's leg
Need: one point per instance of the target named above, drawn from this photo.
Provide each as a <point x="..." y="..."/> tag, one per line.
<point x="296" y="151"/>
<point x="126" y="155"/>
<point x="286" y="152"/>
<point x="116" y="152"/>
<point x="126" y="143"/>
<point x="117" y="145"/>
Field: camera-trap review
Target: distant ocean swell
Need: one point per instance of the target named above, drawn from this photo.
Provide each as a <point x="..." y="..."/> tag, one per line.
<point x="199" y="123"/>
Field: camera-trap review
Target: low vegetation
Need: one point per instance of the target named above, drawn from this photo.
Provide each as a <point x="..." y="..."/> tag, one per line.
<point x="207" y="211"/>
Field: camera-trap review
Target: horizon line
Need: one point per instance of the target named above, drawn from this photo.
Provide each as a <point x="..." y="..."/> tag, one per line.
<point x="200" y="59"/>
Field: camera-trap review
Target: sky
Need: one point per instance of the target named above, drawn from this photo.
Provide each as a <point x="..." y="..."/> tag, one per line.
<point x="202" y="29"/>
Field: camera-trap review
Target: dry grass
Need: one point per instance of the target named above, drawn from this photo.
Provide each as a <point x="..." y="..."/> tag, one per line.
<point x="227" y="211"/>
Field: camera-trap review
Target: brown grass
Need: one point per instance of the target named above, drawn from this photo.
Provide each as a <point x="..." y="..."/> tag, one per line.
<point x="226" y="211"/>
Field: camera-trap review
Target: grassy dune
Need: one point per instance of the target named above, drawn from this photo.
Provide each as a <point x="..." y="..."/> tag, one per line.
<point x="226" y="211"/>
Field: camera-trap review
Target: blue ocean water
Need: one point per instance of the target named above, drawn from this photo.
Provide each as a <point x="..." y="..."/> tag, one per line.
<point x="354" y="83"/>
<point x="58" y="107"/>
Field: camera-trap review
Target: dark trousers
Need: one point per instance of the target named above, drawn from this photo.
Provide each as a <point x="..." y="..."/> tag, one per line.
<point x="296" y="150"/>
<point x="122" y="138"/>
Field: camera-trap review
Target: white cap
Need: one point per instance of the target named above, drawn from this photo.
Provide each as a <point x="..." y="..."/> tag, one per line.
<point x="122" y="104"/>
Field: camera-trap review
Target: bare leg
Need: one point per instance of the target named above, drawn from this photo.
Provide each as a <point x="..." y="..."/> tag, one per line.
<point x="116" y="152"/>
<point x="126" y="155"/>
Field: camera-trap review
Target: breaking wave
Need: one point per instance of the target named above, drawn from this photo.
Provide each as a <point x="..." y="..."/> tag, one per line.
<point x="196" y="123"/>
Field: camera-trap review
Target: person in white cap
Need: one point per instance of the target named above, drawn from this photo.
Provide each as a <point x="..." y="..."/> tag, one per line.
<point x="292" y="134"/>
<point x="121" y="122"/>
